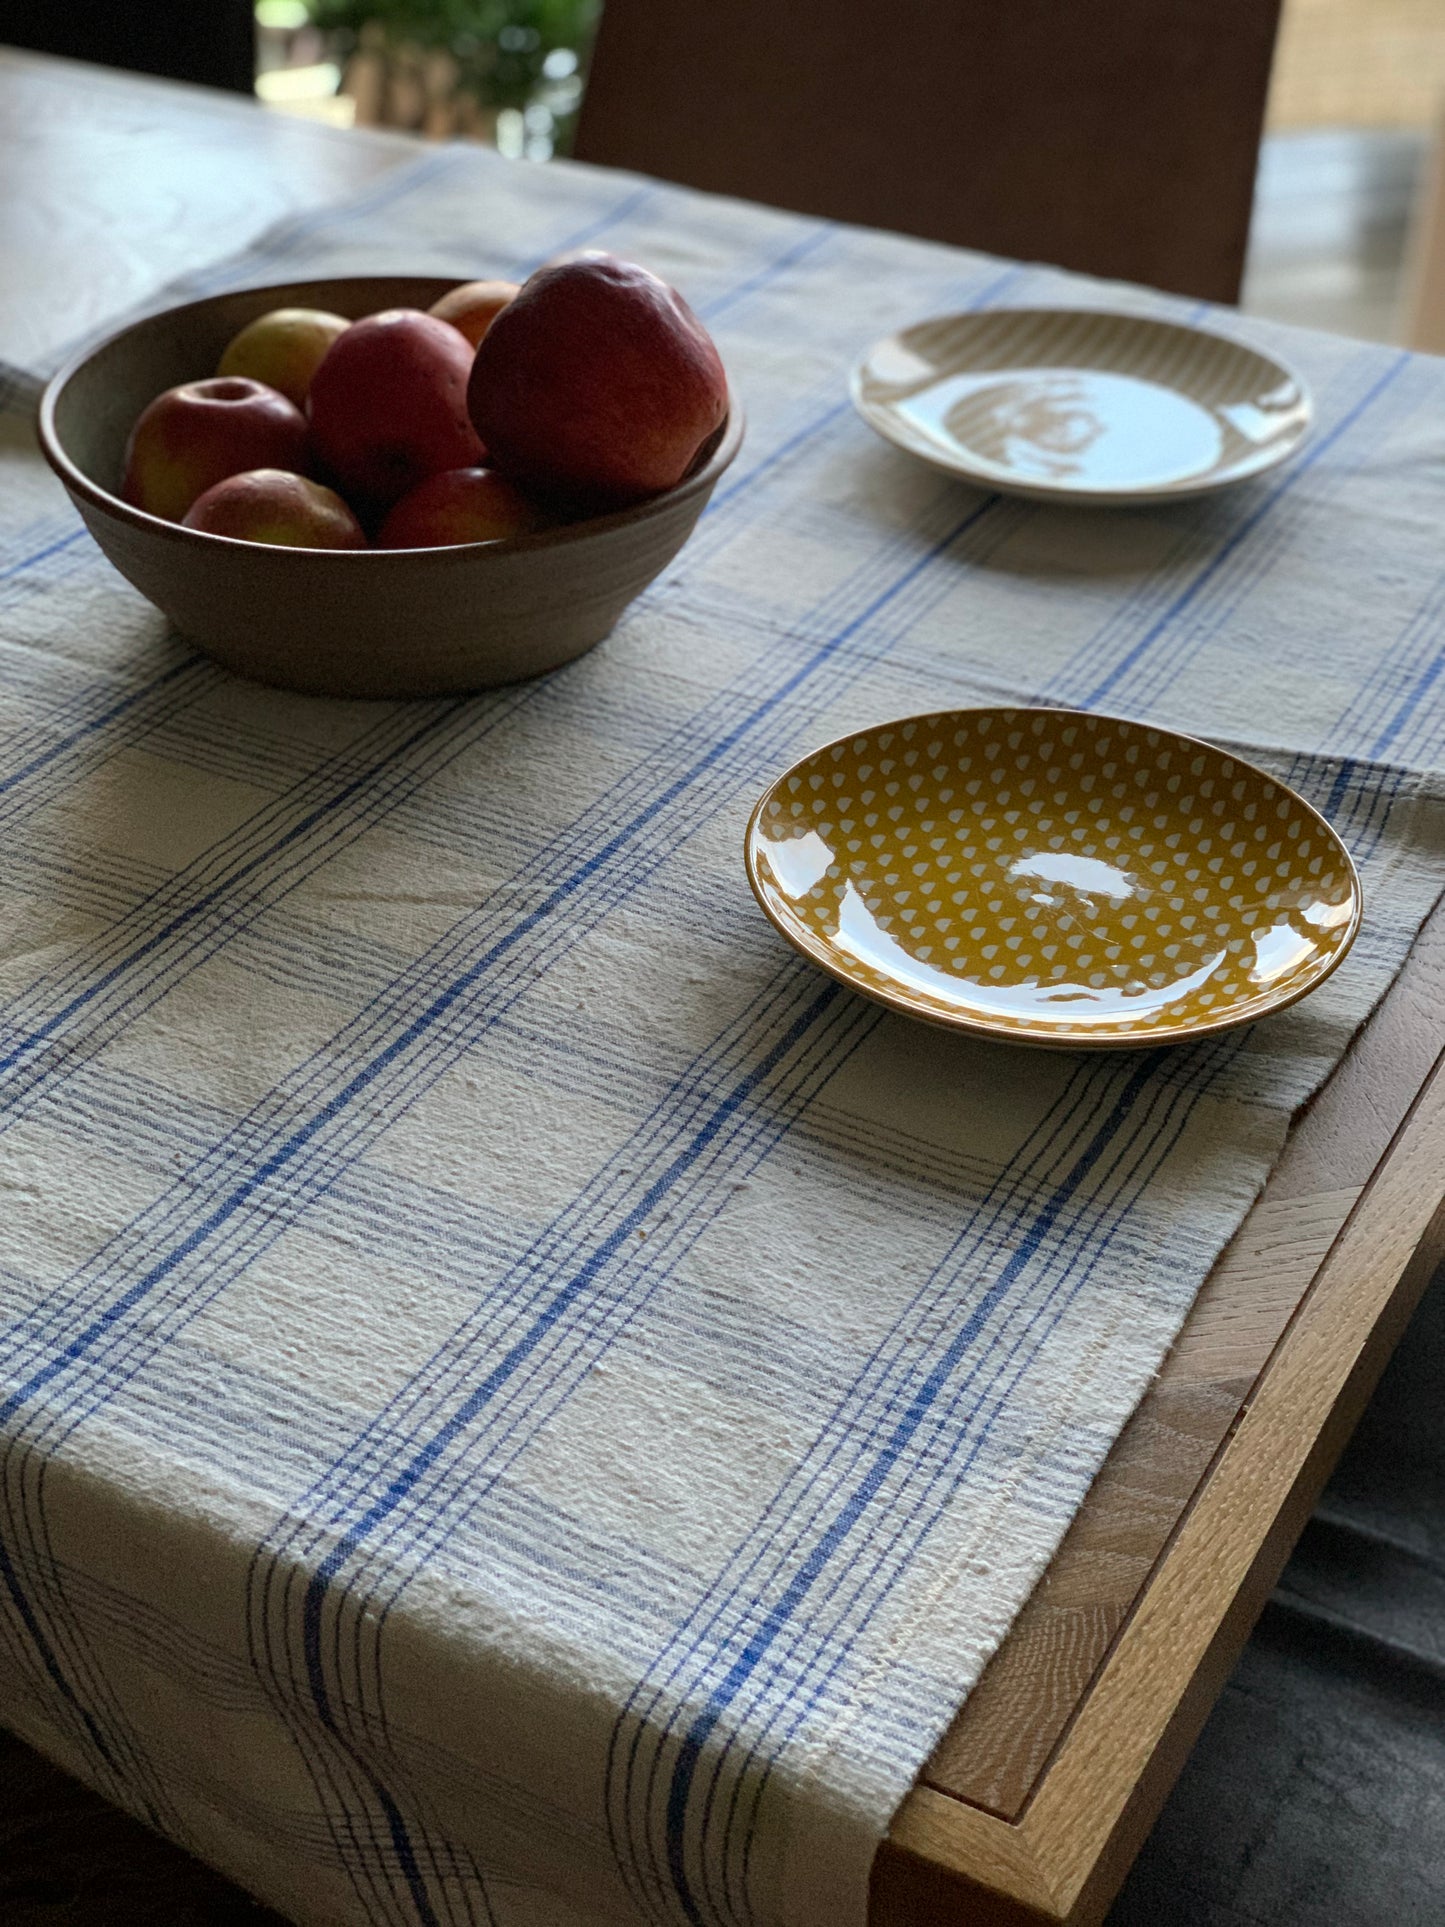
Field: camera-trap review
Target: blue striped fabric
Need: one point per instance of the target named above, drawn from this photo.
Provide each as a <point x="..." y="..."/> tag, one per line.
<point x="523" y="1403"/>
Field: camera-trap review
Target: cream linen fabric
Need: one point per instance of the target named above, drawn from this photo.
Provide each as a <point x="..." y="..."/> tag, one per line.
<point x="522" y="1402"/>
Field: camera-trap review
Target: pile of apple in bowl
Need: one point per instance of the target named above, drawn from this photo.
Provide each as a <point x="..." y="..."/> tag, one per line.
<point x="398" y="486"/>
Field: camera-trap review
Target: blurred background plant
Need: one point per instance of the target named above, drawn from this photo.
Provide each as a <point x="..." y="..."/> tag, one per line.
<point x="508" y="71"/>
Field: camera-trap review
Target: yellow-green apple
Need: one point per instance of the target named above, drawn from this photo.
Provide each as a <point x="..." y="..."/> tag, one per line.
<point x="474" y="306"/>
<point x="199" y="433"/>
<point x="596" y="383"/>
<point x="284" y="349"/>
<point x="460" y="505"/>
<point x="270" y="505"/>
<point x="389" y="407"/>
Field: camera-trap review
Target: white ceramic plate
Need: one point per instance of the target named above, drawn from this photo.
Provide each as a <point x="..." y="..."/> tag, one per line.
<point x="1083" y="406"/>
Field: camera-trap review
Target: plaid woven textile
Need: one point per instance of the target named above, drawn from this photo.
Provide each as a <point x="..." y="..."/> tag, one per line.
<point x="523" y="1402"/>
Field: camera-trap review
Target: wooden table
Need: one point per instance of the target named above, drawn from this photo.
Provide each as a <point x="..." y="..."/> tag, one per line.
<point x="1043" y="1790"/>
<point x="113" y="185"/>
<point x="1035" y="1803"/>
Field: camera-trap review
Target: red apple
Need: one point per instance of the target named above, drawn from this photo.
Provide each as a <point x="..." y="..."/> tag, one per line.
<point x="198" y="434"/>
<point x="462" y="505"/>
<point x="597" y="382"/>
<point x="389" y="407"/>
<point x="474" y="306"/>
<point x="284" y="349"/>
<point x="270" y="505"/>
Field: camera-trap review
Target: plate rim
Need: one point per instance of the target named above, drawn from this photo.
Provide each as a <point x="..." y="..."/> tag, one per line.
<point x="1074" y="494"/>
<point x="816" y="953"/>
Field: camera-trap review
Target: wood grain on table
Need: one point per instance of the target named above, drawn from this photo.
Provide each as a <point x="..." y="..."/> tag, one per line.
<point x="114" y="185"/>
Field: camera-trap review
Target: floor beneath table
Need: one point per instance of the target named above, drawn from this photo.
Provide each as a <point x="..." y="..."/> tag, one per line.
<point x="69" y="1860"/>
<point x="1316" y="1795"/>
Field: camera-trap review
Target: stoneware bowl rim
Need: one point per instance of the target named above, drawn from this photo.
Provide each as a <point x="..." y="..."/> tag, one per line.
<point x="716" y="455"/>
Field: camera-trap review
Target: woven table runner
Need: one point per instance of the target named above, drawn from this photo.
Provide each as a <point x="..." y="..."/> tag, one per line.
<point x="522" y="1401"/>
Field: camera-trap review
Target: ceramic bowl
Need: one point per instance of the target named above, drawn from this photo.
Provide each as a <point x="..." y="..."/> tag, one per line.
<point x="1048" y="876"/>
<point x="1082" y="405"/>
<point x="405" y="622"/>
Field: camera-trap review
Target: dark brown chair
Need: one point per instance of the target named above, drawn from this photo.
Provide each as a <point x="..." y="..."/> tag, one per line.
<point x="210" y="41"/>
<point x="1115" y="136"/>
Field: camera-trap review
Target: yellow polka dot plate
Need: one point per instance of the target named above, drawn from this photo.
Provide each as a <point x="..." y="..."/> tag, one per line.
<point x="1047" y="876"/>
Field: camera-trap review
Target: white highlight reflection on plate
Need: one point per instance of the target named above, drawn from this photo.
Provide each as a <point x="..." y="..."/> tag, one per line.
<point x="1279" y="951"/>
<point x="798" y="862"/>
<point x="1086" y="426"/>
<point x="861" y="936"/>
<point x="1089" y="874"/>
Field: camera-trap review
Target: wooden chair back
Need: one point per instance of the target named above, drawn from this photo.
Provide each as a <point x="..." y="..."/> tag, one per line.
<point x="209" y="41"/>
<point x="1115" y="136"/>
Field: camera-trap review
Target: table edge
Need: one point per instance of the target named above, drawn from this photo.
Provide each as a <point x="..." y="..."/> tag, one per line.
<point x="1062" y="1860"/>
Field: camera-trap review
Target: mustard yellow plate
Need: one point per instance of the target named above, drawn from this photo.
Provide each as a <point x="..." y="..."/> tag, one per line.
<point x="1047" y="876"/>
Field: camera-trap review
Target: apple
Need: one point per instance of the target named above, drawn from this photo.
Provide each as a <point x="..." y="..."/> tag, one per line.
<point x="596" y="383"/>
<point x="199" y="433"/>
<point x="474" y="306"/>
<point x="272" y="505"/>
<point x="389" y="407"/>
<point x="284" y="349"/>
<point x="461" y="505"/>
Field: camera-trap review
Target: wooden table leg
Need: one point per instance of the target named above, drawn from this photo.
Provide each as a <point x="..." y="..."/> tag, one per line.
<point x="1422" y="322"/>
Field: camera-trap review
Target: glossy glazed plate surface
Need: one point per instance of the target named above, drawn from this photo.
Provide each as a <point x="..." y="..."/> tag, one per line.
<point x="1047" y="876"/>
<point x="1082" y="406"/>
